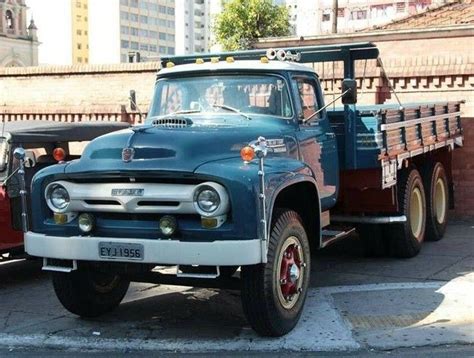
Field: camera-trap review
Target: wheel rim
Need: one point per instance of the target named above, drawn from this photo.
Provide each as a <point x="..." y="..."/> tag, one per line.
<point x="290" y="272"/>
<point x="440" y="200"/>
<point x="416" y="212"/>
<point x="105" y="283"/>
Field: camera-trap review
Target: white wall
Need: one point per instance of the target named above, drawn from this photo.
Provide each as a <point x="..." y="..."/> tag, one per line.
<point x="53" y="19"/>
<point x="104" y="31"/>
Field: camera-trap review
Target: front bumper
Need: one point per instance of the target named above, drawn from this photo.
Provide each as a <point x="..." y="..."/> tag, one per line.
<point x="168" y="252"/>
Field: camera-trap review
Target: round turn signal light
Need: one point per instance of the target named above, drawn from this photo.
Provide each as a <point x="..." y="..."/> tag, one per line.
<point x="59" y="154"/>
<point x="247" y="153"/>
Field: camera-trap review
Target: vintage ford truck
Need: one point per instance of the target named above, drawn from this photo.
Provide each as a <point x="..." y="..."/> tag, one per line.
<point x="45" y="143"/>
<point x="241" y="164"/>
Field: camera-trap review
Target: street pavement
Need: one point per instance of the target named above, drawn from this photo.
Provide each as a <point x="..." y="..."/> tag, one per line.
<point x="355" y="304"/>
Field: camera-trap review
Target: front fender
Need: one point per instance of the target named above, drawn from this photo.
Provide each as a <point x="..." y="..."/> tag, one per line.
<point x="242" y="183"/>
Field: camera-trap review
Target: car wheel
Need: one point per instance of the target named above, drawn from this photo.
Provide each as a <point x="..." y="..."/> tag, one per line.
<point x="406" y="238"/>
<point x="273" y="294"/>
<point x="88" y="293"/>
<point x="437" y="200"/>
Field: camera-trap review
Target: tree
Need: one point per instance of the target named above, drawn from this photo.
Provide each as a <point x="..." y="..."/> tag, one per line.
<point x="242" y="22"/>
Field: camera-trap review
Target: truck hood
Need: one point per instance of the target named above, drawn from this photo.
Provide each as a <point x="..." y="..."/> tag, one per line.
<point x="172" y="149"/>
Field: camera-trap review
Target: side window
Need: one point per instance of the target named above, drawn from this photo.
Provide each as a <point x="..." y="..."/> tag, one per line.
<point x="308" y="98"/>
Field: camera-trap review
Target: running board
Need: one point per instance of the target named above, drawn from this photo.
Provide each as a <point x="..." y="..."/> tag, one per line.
<point x="329" y="236"/>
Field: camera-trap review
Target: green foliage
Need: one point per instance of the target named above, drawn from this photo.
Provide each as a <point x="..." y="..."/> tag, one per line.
<point x="244" y="21"/>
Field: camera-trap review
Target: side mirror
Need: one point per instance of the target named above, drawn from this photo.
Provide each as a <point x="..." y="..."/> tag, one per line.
<point x="133" y="100"/>
<point x="30" y="159"/>
<point x="349" y="91"/>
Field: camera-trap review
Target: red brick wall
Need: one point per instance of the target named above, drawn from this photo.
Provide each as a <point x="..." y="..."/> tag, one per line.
<point x="463" y="172"/>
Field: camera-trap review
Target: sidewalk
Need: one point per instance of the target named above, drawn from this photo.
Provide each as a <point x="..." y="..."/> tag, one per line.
<point x="355" y="303"/>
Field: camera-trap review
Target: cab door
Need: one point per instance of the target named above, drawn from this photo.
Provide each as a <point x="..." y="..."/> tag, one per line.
<point x="316" y="140"/>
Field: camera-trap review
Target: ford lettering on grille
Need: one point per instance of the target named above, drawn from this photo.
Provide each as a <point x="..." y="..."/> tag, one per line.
<point x="128" y="192"/>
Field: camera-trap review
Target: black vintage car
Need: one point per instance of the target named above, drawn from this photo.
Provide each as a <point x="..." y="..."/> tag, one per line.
<point x="46" y="143"/>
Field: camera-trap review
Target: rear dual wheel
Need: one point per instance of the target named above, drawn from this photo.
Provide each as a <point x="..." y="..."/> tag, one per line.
<point x="405" y="238"/>
<point x="437" y="200"/>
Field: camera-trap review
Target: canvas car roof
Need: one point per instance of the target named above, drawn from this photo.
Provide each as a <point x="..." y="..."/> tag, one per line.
<point x="35" y="131"/>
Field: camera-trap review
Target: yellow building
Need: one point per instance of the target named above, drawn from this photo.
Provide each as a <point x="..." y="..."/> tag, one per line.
<point x="80" y="31"/>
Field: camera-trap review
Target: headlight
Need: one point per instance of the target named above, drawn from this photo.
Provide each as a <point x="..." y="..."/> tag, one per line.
<point x="57" y="198"/>
<point x="211" y="199"/>
<point x="207" y="199"/>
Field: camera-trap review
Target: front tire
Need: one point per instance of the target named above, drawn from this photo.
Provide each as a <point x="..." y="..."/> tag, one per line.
<point x="437" y="200"/>
<point x="273" y="294"/>
<point x="406" y="238"/>
<point x="89" y="294"/>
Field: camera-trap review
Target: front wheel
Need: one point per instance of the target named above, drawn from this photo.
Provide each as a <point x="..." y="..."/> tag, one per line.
<point x="273" y="293"/>
<point x="88" y="293"/>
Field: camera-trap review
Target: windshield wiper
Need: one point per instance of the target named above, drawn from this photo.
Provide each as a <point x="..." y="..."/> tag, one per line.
<point x="232" y="109"/>
<point x="184" y="111"/>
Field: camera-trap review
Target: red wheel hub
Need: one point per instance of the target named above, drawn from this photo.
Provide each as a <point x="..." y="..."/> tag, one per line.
<point x="290" y="271"/>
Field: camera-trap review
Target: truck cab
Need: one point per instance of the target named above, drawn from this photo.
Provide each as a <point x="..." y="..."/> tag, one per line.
<point x="241" y="165"/>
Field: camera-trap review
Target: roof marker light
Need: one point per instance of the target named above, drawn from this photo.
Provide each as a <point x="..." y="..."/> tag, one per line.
<point x="199" y="61"/>
<point x="169" y="64"/>
<point x="214" y="59"/>
<point x="229" y="59"/>
<point x="264" y="60"/>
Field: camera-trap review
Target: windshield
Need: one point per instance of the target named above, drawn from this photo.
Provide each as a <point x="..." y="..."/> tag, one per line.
<point x="247" y="94"/>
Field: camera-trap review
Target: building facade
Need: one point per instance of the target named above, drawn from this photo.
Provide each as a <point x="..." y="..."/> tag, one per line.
<point x="80" y="31"/>
<point x="193" y="25"/>
<point x="309" y="18"/>
<point x="104" y="31"/>
<point x="18" y="40"/>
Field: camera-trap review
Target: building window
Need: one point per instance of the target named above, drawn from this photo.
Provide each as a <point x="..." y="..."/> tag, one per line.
<point x="134" y="45"/>
<point x="143" y="19"/>
<point x="326" y="17"/>
<point x="134" y="3"/>
<point x="143" y="33"/>
<point x="124" y="30"/>
<point x="134" y="17"/>
<point x="133" y="31"/>
<point x="85" y="32"/>
<point x="124" y="44"/>
<point x="162" y="49"/>
<point x="152" y="34"/>
<point x="9" y="18"/>
<point x="79" y="32"/>
<point x="143" y="47"/>
<point x="162" y="9"/>
<point x="341" y="12"/>
<point x="124" y="15"/>
<point x="400" y="7"/>
<point x="171" y="50"/>
<point x="79" y="46"/>
<point x="358" y="14"/>
<point x="162" y="36"/>
<point x="124" y="2"/>
<point x="79" y="59"/>
<point x="152" y="48"/>
<point x="78" y="4"/>
<point x="78" y="18"/>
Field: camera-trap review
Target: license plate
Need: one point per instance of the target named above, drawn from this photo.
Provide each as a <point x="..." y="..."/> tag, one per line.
<point x="112" y="250"/>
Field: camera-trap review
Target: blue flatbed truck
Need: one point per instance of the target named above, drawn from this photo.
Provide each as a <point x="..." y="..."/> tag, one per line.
<point x="240" y="164"/>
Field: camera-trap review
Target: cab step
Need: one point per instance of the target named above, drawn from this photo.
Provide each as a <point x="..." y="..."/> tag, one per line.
<point x="332" y="234"/>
